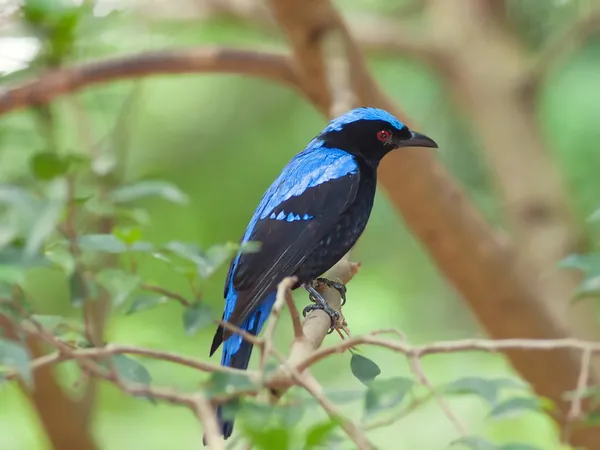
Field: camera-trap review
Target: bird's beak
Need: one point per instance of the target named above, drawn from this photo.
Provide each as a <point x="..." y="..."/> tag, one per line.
<point x="417" y="140"/>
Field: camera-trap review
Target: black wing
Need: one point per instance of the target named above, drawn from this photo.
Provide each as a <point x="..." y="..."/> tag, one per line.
<point x="287" y="237"/>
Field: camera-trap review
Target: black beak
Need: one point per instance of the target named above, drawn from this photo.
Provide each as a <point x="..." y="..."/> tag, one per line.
<point x="417" y="140"/>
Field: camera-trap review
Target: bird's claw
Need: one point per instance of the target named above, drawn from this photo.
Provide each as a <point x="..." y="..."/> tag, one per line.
<point x="334" y="285"/>
<point x="334" y="316"/>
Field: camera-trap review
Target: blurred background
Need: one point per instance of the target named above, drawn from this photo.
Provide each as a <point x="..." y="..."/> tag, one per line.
<point x="222" y="139"/>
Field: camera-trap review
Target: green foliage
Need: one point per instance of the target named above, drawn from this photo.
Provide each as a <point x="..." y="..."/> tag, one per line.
<point x="15" y="356"/>
<point x="145" y="302"/>
<point x="319" y="434"/>
<point x="364" y="369"/>
<point x="196" y="317"/>
<point x="479" y="443"/>
<point x="384" y="395"/>
<point x="129" y="369"/>
<point x="143" y="189"/>
<point x="221" y="383"/>
<point x="487" y="388"/>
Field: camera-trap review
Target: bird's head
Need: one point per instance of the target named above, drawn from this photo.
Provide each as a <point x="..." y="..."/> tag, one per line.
<point x="371" y="133"/>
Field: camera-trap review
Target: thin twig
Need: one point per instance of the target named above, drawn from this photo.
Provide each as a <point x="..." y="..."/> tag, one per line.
<point x="310" y="384"/>
<point x="206" y="415"/>
<point x="166" y="292"/>
<point x="283" y="288"/>
<point x="417" y="368"/>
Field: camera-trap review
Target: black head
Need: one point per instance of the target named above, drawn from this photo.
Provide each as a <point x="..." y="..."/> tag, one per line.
<point x="371" y="133"/>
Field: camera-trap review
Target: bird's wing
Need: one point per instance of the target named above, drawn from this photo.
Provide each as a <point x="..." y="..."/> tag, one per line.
<point x="297" y="211"/>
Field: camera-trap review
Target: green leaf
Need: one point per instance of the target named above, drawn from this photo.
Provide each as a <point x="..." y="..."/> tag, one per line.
<point x="145" y="302"/>
<point x="48" y="218"/>
<point x="215" y="257"/>
<point x="16" y="357"/>
<point x="102" y="243"/>
<point x="58" y="325"/>
<point x="221" y="383"/>
<point x="274" y="438"/>
<point x="591" y="420"/>
<point x="143" y="189"/>
<point x="128" y="369"/>
<point x="62" y="258"/>
<point x="109" y="243"/>
<point x="118" y="283"/>
<point x="479" y="443"/>
<point x="383" y="395"/>
<point x="487" y="388"/>
<point x="484" y="388"/>
<point x="342" y="396"/>
<point x="595" y="216"/>
<point x="319" y="434"/>
<point x="197" y="316"/>
<point x="78" y="287"/>
<point x="586" y="263"/>
<point x="48" y="165"/>
<point x="363" y="368"/>
<point x="515" y="405"/>
<point x="589" y="287"/>
<point x="129" y="235"/>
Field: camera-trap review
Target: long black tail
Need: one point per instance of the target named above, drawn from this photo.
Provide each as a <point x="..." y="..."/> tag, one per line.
<point x="239" y="360"/>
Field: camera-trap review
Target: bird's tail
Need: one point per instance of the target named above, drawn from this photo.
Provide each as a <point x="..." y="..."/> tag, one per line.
<point x="237" y="352"/>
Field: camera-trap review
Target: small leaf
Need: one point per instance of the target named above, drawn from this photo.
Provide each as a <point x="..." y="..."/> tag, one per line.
<point x="145" y="302"/>
<point x="586" y="263"/>
<point x="484" y="388"/>
<point x="227" y="383"/>
<point x="119" y="283"/>
<point x="591" y="420"/>
<point x="78" y="286"/>
<point x="54" y="323"/>
<point x="340" y="396"/>
<point x="196" y="317"/>
<point x="595" y="216"/>
<point x="48" y="218"/>
<point x="129" y="235"/>
<point x="128" y="369"/>
<point x="62" y="258"/>
<point x="48" y="165"/>
<point x="515" y="405"/>
<point x="589" y="287"/>
<point x="319" y="434"/>
<point x="363" y="368"/>
<point x="102" y="243"/>
<point x="479" y="443"/>
<point x="386" y="394"/>
<point x="16" y="357"/>
<point x="143" y="189"/>
<point x="274" y="438"/>
<point x="108" y="243"/>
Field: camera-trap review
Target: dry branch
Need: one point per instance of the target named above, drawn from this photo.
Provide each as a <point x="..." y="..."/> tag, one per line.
<point x="51" y="85"/>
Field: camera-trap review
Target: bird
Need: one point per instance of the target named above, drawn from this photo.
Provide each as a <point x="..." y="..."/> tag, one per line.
<point x="307" y="220"/>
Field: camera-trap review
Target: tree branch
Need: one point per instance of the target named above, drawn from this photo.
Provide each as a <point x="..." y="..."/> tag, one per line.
<point x="51" y="85"/>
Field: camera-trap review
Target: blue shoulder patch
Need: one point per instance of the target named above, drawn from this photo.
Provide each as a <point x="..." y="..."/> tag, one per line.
<point x="313" y="166"/>
<point x="362" y="114"/>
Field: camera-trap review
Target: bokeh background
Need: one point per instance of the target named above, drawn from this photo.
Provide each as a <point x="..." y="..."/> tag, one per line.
<point x="222" y="139"/>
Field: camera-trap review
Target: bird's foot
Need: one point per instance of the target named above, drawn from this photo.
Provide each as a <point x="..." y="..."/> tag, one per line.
<point x="320" y="303"/>
<point x="334" y="285"/>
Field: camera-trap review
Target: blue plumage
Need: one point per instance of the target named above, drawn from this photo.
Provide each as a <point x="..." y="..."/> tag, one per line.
<point x="310" y="216"/>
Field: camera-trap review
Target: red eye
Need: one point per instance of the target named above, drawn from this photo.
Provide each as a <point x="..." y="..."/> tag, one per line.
<point x="383" y="135"/>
